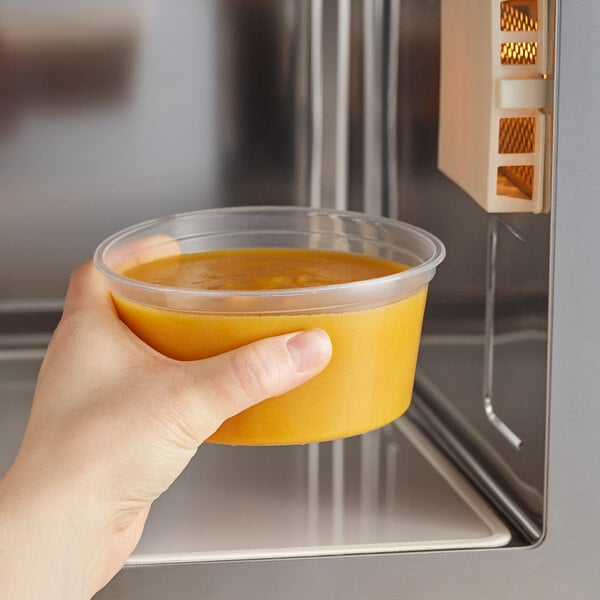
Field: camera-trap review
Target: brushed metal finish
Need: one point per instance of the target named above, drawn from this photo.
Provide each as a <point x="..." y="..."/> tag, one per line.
<point x="245" y="503"/>
<point x="120" y="111"/>
<point x="564" y="563"/>
<point x="208" y="103"/>
<point x="457" y="302"/>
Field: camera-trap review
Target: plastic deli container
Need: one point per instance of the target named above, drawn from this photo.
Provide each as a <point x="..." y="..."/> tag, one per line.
<point x="374" y="324"/>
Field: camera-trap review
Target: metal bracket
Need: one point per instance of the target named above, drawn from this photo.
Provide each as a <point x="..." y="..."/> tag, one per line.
<point x="490" y="300"/>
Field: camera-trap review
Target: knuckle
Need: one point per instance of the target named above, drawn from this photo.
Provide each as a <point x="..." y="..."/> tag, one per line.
<point x="254" y="375"/>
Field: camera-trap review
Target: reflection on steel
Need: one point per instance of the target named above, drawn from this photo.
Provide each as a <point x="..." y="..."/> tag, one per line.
<point x="393" y="60"/>
<point x="391" y="468"/>
<point x="369" y="478"/>
<point x="313" y="494"/>
<point x="342" y="106"/>
<point x="372" y="116"/>
<point x="490" y="299"/>
<point x="337" y="492"/>
<point x="316" y="83"/>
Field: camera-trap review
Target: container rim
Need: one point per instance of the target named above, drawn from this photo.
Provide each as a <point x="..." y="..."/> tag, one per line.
<point x="437" y="251"/>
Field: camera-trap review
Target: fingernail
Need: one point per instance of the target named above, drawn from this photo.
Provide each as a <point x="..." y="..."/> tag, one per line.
<point x="309" y="349"/>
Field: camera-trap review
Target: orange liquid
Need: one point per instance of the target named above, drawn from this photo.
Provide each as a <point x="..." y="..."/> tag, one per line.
<point x="368" y="382"/>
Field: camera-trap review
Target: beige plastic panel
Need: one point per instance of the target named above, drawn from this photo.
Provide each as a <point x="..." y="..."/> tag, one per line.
<point x="493" y="82"/>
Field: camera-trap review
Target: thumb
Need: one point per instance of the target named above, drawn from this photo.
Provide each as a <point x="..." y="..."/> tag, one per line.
<point x="224" y="385"/>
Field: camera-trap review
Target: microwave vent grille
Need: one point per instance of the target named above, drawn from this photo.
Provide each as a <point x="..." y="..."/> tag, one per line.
<point x="518" y="53"/>
<point x="515" y="181"/>
<point x="519" y="15"/>
<point x="495" y="113"/>
<point x="516" y="135"/>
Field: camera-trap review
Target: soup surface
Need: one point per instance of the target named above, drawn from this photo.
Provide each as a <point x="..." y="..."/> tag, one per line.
<point x="262" y="269"/>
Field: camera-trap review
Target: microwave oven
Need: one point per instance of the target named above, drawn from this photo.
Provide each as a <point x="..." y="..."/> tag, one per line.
<point x="475" y="119"/>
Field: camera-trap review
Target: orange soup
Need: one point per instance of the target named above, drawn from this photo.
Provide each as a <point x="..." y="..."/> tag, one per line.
<point x="368" y="382"/>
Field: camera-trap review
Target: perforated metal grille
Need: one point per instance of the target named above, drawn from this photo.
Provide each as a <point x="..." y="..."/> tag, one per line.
<point x="515" y="181"/>
<point x="518" y="53"/>
<point x="518" y="15"/>
<point x="516" y="135"/>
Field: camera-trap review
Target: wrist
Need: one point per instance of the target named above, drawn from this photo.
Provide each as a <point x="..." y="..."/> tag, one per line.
<point x="45" y="549"/>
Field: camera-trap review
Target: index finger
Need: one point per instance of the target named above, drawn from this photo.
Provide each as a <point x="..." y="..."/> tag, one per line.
<point x="88" y="287"/>
<point x="87" y="291"/>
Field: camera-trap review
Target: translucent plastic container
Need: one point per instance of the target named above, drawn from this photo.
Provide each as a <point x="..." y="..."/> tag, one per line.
<point x="374" y="324"/>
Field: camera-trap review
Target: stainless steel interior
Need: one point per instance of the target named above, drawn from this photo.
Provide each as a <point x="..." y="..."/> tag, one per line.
<point x="380" y="492"/>
<point x="130" y="110"/>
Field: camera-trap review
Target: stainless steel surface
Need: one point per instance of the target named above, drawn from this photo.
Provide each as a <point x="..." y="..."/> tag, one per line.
<point x="490" y="337"/>
<point x="374" y="90"/>
<point x="316" y="106"/>
<point x="123" y="111"/>
<point x="487" y="481"/>
<point x="450" y="379"/>
<point x="236" y="503"/>
<point x="342" y="123"/>
<point x="211" y="103"/>
<point x="563" y="564"/>
<point x="457" y="303"/>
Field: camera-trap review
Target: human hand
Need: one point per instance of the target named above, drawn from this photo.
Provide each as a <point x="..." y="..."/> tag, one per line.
<point x="112" y="424"/>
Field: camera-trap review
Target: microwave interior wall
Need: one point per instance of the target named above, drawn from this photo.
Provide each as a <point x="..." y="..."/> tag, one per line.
<point x="117" y="112"/>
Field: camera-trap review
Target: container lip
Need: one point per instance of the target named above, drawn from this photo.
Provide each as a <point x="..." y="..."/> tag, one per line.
<point x="426" y="268"/>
